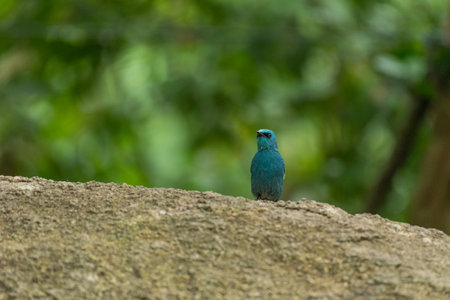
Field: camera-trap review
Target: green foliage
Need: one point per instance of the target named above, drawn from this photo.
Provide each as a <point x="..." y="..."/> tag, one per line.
<point x="170" y="93"/>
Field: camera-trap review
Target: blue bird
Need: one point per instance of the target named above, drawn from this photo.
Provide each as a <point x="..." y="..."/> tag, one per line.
<point x="267" y="167"/>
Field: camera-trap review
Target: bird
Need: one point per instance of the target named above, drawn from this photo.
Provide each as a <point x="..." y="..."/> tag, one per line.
<point x="267" y="168"/>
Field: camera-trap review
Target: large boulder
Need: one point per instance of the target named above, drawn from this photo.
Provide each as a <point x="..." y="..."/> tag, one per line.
<point x="69" y="240"/>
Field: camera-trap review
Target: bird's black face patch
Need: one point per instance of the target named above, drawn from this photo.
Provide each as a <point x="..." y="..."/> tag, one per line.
<point x="264" y="134"/>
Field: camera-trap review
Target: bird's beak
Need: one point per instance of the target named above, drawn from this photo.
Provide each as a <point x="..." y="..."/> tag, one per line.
<point x="259" y="134"/>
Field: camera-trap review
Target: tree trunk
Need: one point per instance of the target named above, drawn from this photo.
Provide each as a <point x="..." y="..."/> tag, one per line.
<point x="431" y="204"/>
<point x="379" y="194"/>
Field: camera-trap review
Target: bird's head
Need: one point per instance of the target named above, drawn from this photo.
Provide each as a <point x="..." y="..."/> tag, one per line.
<point x="266" y="140"/>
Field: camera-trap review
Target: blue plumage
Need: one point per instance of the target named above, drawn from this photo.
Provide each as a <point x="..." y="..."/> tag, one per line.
<point x="267" y="167"/>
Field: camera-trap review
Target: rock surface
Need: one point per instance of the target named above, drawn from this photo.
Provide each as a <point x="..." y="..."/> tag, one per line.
<point x="66" y="240"/>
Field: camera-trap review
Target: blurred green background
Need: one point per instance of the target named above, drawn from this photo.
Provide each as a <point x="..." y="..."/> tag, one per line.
<point x="170" y="93"/>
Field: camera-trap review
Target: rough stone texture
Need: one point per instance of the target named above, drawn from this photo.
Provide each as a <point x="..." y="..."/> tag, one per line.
<point x="66" y="240"/>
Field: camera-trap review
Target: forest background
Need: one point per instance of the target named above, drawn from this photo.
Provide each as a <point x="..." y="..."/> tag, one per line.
<point x="171" y="93"/>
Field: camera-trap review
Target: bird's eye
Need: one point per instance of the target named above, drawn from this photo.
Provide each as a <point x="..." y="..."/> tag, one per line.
<point x="269" y="135"/>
